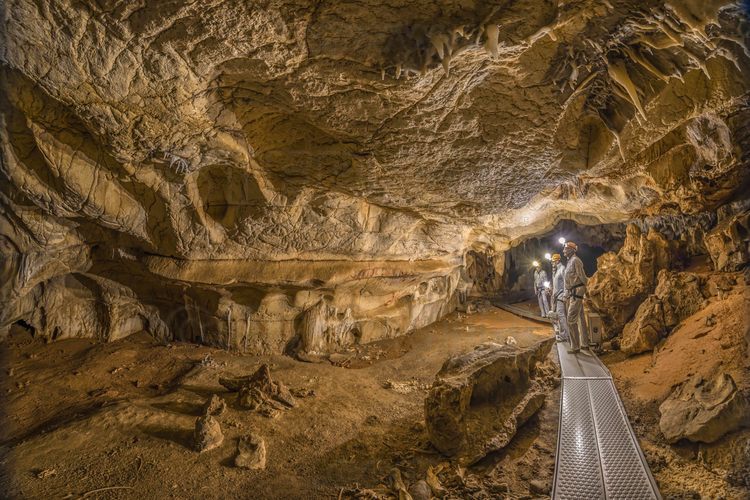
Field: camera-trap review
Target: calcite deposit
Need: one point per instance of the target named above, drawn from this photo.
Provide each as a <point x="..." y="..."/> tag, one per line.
<point x="299" y="177"/>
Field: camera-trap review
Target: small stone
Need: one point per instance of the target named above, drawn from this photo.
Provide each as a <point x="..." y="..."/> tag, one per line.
<point x="539" y="487"/>
<point x="207" y="434"/>
<point x="510" y="341"/>
<point x="215" y="406"/>
<point x="498" y="487"/>
<point x="420" y="490"/>
<point x="45" y="473"/>
<point x="711" y="320"/>
<point x="251" y="452"/>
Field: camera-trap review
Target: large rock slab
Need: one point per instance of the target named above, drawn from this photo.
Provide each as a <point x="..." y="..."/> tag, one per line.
<point x="479" y="399"/>
<point x="703" y="410"/>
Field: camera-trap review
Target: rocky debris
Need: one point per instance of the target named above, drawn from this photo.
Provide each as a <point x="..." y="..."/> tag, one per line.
<point x="728" y="243"/>
<point x="510" y="341"/>
<point x="251" y="452"/>
<point x="420" y="490"/>
<point x="215" y="406"/>
<point x="480" y="399"/>
<point x="45" y="473"/>
<point x="260" y="392"/>
<point x="703" y="410"/>
<point x="405" y="387"/>
<point x="207" y="435"/>
<point x="623" y="280"/>
<point x="539" y="487"/>
<point x="729" y="457"/>
<point x="396" y="484"/>
<point x="677" y="296"/>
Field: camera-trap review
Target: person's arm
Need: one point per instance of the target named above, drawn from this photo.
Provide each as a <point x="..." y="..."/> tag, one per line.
<point x="581" y="272"/>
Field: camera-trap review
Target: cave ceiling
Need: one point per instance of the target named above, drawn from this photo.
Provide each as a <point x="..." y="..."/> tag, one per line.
<point x="363" y="129"/>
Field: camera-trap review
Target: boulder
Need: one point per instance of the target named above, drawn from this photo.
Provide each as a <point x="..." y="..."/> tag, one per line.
<point x="703" y="410"/>
<point x="646" y="329"/>
<point x="251" y="452"/>
<point x="479" y="399"/>
<point x="625" y="279"/>
<point x="677" y="296"/>
<point x="728" y="243"/>
<point x="207" y="435"/>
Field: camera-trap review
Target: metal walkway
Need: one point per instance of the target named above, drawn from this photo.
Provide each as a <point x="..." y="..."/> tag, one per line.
<point x="520" y="311"/>
<point x="597" y="453"/>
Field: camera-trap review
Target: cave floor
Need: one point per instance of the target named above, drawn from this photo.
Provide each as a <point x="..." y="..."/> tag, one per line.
<point x="81" y="416"/>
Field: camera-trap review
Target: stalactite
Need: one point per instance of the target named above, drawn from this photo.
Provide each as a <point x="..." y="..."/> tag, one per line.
<point x="645" y="63"/>
<point x="619" y="74"/>
<point x="490" y="44"/>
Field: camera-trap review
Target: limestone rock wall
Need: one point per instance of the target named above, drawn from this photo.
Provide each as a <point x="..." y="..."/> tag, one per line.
<point x="198" y="155"/>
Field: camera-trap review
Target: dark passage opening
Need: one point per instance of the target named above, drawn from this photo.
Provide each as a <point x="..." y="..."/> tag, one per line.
<point x="592" y="241"/>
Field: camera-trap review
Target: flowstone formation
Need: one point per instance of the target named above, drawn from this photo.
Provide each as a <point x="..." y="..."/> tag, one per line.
<point x="282" y="177"/>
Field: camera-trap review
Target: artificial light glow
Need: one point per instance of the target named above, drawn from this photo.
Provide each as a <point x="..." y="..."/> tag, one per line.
<point x="562" y="241"/>
<point x="548" y="256"/>
<point x="535" y="264"/>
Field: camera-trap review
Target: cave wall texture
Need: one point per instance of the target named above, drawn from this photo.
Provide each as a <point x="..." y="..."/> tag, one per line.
<point x="285" y="175"/>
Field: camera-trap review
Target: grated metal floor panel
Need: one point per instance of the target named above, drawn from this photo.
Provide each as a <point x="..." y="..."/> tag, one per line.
<point x="597" y="453"/>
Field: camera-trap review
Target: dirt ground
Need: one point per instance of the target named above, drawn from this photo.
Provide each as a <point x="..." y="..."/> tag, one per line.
<point x="88" y="420"/>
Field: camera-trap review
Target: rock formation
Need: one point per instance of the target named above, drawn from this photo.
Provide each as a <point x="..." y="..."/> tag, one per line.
<point x="207" y="435"/>
<point x="729" y="243"/>
<point x="275" y="178"/>
<point x="480" y="399"/>
<point x="677" y="296"/>
<point x="251" y="452"/>
<point x="260" y="392"/>
<point x="623" y="280"/>
<point x="703" y="410"/>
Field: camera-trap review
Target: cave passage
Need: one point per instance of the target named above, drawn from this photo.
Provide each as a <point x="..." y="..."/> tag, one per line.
<point x="287" y="248"/>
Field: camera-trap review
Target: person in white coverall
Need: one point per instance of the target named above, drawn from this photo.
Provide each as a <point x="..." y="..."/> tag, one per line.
<point x="557" y="306"/>
<point x="540" y="278"/>
<point x="575" y="287"/>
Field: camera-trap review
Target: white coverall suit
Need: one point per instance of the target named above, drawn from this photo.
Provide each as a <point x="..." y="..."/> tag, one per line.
<point x="575" y="288"/>
<point x="540" y="276"/>
<point x="559" y="314"/>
